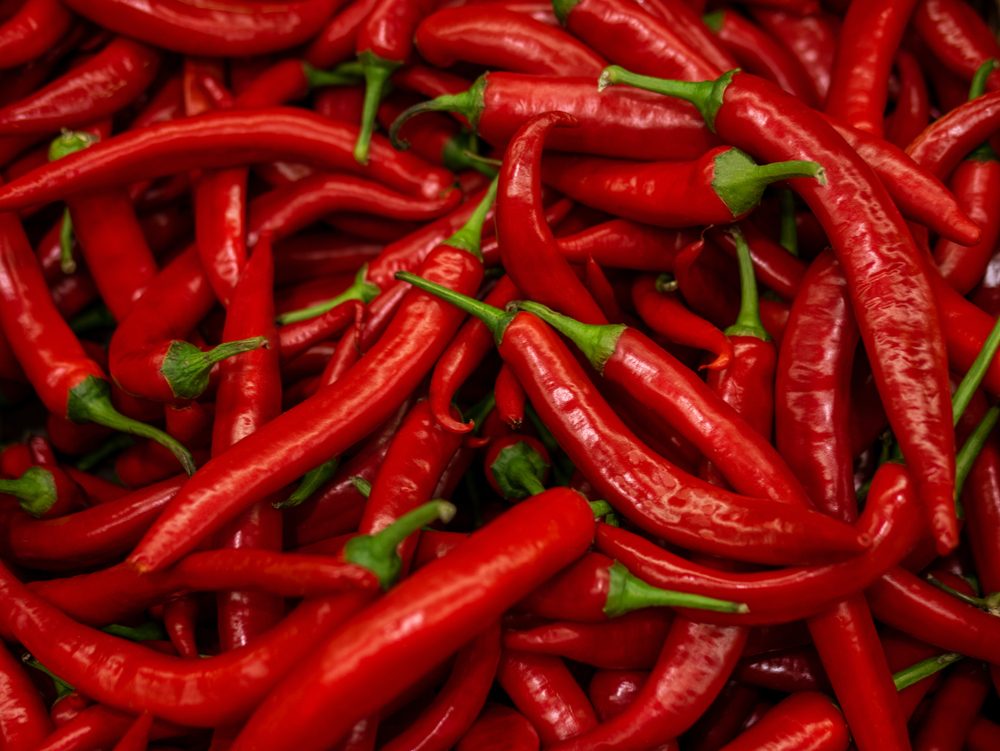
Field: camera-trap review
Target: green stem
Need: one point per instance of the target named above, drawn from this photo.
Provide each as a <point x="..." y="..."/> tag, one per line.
<point x="978" y="86"/>
<point x="361" y="485"/>
<point x="62" y="688"/>
<point x="105" y="451"/>
<point x="627" y="592"/>
<point x="186" y="368"/>
<point x="597" y="342"/>
<point x="924" y="669"/>
<point x="35" y="490"/>
<point x="468" y="103"/>
<point x="667" y="283"/>
<point x="377" y="71"/>
<point x="989" y="604"/>
<point x="347" y="74"/>
<point x="461" y="152"/>
<point x="377" y="552"/>
<point x="361" y="289"/>
<point x="971" y="449"/>
<point x="469" y="236"/>
<point x="789" y="237"/>
<point x="90" y="401"/>
<point x="706" y="96"/>
<point x="748" y="321"/>
<point x="481" y="411"/>
<point x="975" y="375"/>
<point x="600" y="508"/>
<point x="518" y="469"/>
<point x="145" y="632"/>
<point x="312" y="481"/>
<point x="740" y="182"/>
<point x="67" y="263"/>
<point x="495" y="320"/>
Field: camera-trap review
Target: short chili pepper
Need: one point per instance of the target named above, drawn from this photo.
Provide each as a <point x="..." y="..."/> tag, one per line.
<point x="631" y="642"/>
<point x="722" y="186"/>
<point x="191" y="27"/>
<point x="464" y="592"/>
<point x="806" y="720"/>
<point x="596" y="440"/>
<point x="611" y="691"/>
<point x="502" y="39"/>
<point x="32" y="31"/>
<point x="626" y="124"/>
<point x="43" y="491"/>
<point x="896" y="334"/>
<point x="69" y="383"/>
<point x="500" y="728"/>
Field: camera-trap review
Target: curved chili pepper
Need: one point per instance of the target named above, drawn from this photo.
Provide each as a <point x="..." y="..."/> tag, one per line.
<point x="721" y="186"/>
<point x="597" y="442"/>
<point x="897" y="333"/>
<point x="99" y="726"/>
<point x="627" y="124"/>
<point x="867" y="45"/>
<point x="806" y="721"/>
<point x="92" y="91"/>
<point x="436" y="139"/>
<point x="69" y="383"/>
<point x="336" y="40"/>
<point x="464" y="592"/>
<point x="221" y="139"/>
<point x="912" y="111"/>
<point x="630" y="642"/>
<point x="137" y="736"/>
<point x="336" y="418"/>
<point x="497" y="38"/>
<point x="952" y="137"/>
<point x="500" y="728"/>
<point x="544" y="691"/>
<point x="192" y="27"/>
<point x="527" y="246"/>
<point x="456" y="704"/>
<point x="626" y="35"/>
<point x="758" y="52"/>
<point x="32" y="31"/>
<point x="676" y="395"/>
<point x="620" y="243"/>
<point x="956" y="36"/>
<point x="24" y="720"/>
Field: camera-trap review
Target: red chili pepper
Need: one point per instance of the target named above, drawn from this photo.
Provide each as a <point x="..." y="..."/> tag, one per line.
<point x="220" y="139"/>
<point x="620" y="243"/>
<point x="786" y="670"/>
<point x="137" y="737"/>
<point x="496" y="38"/>
<point x="626" y="35"/>
<point x="510" y="399"/>
<point x="311" y="255"/>
<point x="806" y="721"/>
<point x="498" y="565"/>
<point x="544" y="691"/>
<point x="192" y="27"/>
<point x="34" y="29"/>
<point x="24" y="720"/>
<point x="983" y="736"/>
<point x="626" y="124"/>
<point x="896" y="334"/>
<point x="630" y="642"/>
<point x="611" y="691"/>
<point x="456" y="704"/>
<point x="956" y="36"/>
<point x="99" y="727"/>
<point x="336" y="40"/>
<point x="436" y="139"/>
<point x="500" y="728"/>
<point x="773" y="265"/>
<point x="912" y="111"/>
<point x="952" y="137"/>
<point x="68" y="707"/>
<point x="953" y="709"/>
<point x="867" y="45"/>
<point x="179" y="617"/>
<point x="720" y="187"/>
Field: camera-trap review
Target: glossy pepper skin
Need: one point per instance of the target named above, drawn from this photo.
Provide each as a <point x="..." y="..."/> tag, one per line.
<point x="191" y="27"/>
<point x="24" y="719"/>
<point x="957" y="37"/>
<point x="806" y="721"/>
<point x="871" y="242"/>
<point x="461" y="593"/>
<point x="32" y="31"/>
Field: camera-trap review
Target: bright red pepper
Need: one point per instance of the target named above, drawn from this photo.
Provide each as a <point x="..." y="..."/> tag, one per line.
<point x="806" y="721"/>
<point x="32" y="31"/>
<point x="500" y="728"/>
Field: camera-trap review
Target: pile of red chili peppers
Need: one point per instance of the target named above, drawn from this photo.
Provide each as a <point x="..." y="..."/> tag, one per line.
<point x="499" y="375"/>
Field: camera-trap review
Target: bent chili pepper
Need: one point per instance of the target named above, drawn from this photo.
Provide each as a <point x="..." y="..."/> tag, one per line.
<point x="956" y="36"/>
<point x="871" y="241"/>
<point x="598" y="442"/>
<point x="722" y="186"/>
<point x="32" y="31"/>
<point x="69" y="383"/>
<point x="464" y="592"/>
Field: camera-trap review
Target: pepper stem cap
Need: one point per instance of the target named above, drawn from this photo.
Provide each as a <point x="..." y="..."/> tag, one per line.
<point x="739" y="181"/>
<point x="627" y="592"/>
<point x="361" y="289"/>
<point x="35" y="490"/>
<point x="496" y="320"/>
<point x="597" y="342"/>
<point x="469" y="103"/>
<point x="518" y="470"/>
<point x="186" y="367"/>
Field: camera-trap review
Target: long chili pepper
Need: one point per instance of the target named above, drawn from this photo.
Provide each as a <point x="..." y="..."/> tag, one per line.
<point x="98" y="726"/>
<point x="694" y="664"/>
<point x="869" y="238"/>
<point x="620" y="243"/>
<point x="721" y="186"/>
<point x="956" y="36"/>
<point x="110" y="237"/>
<point x="867" y="45"/>
<point x="464" y="592"/>
<point x="220" y="216"/>
<point x="662" y="312"/>
<point x="597" y="440"/>
<point x="92" y="91"/>
<point x="543" y="689"/>
<point x="335" y="42"/>
<point x="457" y="703"/>
<point x="949" y="139"/>
<point x="32" y="31"/>
<point x="330" y="422"/>
<point x="191" y="27"/>
<point x="806" y="721"/>
<point x="791" y="593"/>
<point x="497" y="38"/>
<point x="674" y="393"/>
<point x="912" y="110"/>
<point x="631" y="125"/>
<point x="761" y="54"/>
<point x="24" y="720"/>
<point x="527" y="246"/>
<point x="631" y="642"/>
<point x="684" y="17"/>
<point x="500" y="728"/>
<point x="221" y="139"/>
<point x="69" y="383"/>
<point x="953" y="710"/>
